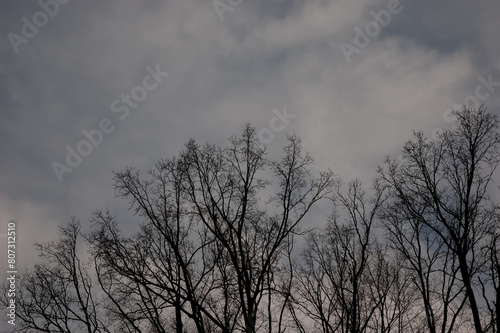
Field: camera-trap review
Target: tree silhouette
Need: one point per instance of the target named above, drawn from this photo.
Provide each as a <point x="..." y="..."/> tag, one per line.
<point x="442" y="214"/>
<point x="221" y="245"/>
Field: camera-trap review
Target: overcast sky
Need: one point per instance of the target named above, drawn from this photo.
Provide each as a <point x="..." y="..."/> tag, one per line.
<point x="353" y="89"/>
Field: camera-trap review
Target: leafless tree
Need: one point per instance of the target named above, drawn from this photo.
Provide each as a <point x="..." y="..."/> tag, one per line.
<point x="57" y="295"/>
<point x="346" y="282"/>
<point x="392" y="285"/>
<point x="210" y="247"/>
<point x="442" y="213"/>
<point x="215" y="250"/>
<point x="490" y="279"/>
<point x="432" y="266"/>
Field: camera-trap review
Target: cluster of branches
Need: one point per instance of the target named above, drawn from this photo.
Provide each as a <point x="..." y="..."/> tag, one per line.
<point x="418" y="253"/>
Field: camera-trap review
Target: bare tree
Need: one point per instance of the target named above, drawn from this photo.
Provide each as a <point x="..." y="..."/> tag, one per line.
<point x="218" y="228"/>
<point x="160" y="278"/>
<point x="209" y="256"/>
<point x="441" y="191"/>
<point x="57" y="295"/>
<point x="345" y="281"/>
<point x="490" y="279"/>
<point x="223" y="186"/>
<point x="210" y="247"/>
<point x="431" y="265"/>
<point x="392" y="285"/>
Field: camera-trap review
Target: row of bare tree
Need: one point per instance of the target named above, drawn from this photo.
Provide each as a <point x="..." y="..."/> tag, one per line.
<point x="222" y="245"/>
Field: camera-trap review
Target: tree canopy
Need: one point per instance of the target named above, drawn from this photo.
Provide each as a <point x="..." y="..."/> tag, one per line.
<point x="222" y="246"/>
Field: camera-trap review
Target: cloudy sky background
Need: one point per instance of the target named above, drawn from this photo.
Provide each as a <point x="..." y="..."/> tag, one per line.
<point x="263" y="55"/>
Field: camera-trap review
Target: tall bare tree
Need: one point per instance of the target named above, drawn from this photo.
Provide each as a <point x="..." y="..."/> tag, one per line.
<point x="391" y="285"/>
<point x="490" y="279"/>
<point x="433" y="268"/>
<point x="345" y="281"/>
<point x="444" y="212"/>
<point x="210" y="246"/>
<point x="58" y="295"/>
<point x="216" y="240"/>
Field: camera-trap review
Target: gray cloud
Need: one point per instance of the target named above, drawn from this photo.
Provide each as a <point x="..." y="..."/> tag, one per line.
<point x="264" y="55"/>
